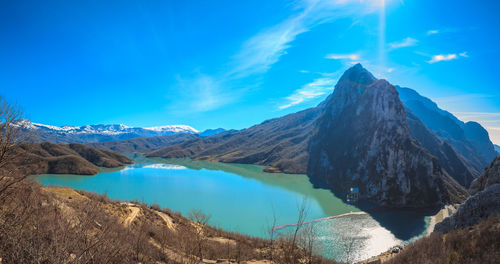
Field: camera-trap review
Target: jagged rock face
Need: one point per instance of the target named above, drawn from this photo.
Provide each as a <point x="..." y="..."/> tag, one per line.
<point x="484" y="201"/>
<point x="362" y="139"/>
<point x="477" y="207"/>
<point x="490" y="177"/>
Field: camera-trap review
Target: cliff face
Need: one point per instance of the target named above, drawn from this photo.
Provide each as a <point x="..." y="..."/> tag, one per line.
<point x="42" y="158"/>
<point x="484" y="201"/>
<point x="490" y="177"/>
<point x="362" y="139"/>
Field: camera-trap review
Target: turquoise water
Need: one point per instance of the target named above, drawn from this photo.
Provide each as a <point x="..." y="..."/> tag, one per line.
<point x="243" y="198"/>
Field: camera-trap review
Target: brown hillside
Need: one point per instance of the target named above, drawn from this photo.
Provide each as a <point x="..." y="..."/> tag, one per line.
<point x="41" y="158"/>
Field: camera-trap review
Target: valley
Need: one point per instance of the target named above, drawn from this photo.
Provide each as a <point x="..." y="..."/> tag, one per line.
<point x="242" y="198"/>
<point x="408" y="160"/>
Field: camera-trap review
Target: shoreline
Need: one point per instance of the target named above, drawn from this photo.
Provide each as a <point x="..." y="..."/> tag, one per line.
<point x="320" y="219"/>
<point x="446" y="211"/>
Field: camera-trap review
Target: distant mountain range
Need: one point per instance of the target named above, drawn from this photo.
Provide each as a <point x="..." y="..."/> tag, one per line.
<point x="497" y="148"/>
<point x="397" y="146"/>
<point x="104" y="133"/>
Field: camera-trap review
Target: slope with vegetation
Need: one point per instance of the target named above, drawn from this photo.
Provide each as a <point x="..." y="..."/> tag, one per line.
<point x="61" y="225"/>
<point x="42" y="158"/>
<point x="476" y="244"/>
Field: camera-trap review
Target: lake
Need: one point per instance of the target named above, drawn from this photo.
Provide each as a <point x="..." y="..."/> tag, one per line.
<point x="243" y="198"/>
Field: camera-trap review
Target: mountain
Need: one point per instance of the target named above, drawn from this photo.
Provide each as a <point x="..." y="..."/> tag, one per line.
<point x="497" y="148"/>
<point x="211" y="132"/>
<point x="362" y="139"/>
<point x="143" y="144"/>
<point x="280" y="144"/>
<point x="359" y="136"/>
<point x="484" y="201"/>
<point x="449" y="159"/>
<point x="42" y="158"/>
<point x="470" y="139"/>
<point x="99" y="133"/>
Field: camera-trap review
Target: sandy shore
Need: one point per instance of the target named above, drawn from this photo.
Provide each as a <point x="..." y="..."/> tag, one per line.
<point x="440" y="216"/>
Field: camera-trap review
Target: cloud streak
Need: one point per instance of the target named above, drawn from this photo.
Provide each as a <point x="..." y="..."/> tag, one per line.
<point x="447" y="57"/>
<point x="261" y="51"/>
<point x="352" y="57"/>
<point x="407" y="42"/>
<point x="310" y="91"/>
<point x="432" y="32"/>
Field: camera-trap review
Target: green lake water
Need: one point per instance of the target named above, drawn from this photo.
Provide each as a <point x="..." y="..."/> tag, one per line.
<point x="243" y="198"/>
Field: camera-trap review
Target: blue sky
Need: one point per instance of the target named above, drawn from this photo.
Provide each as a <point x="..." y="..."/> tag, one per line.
<point x="233" y="64"/>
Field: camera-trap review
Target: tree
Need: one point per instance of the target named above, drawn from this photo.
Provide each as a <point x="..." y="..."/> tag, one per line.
<point x="12" y="132"/>
<point x="201" y="219"/>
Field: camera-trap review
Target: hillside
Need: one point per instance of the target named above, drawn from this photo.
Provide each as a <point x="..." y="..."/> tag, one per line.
<point x="143" y="144"/>
<point x="280" y="144"/>
<point x="477" y="244"/>
<point x="470" y="139"/>
<point x="483" y="203"/>
<point x="61" y="225"/>
<point x="42" y="158"/>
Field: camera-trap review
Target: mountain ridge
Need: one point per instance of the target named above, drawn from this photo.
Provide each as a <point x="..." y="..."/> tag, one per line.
<point x="268" y="143"/>
<point x="105" y="132"/>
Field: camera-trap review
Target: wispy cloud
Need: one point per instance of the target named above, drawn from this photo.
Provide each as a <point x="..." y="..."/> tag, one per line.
<point x="353" y="57"/>
<point x="447" y="57"/>
<point x="433" y="32"/>
<point x="407" y="42"/>
<point x="202" y="93"/>
<point x="440" y="57"/>
<point x="261" y="51"/>
<point x="310" y="91"/>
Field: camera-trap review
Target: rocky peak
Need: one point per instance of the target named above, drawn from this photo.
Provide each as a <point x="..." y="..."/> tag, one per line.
<point x="357" y="74"/>
<point x="362" y="139"/>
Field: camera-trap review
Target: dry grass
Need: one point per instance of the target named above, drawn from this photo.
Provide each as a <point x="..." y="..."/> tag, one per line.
<point x="61" y="225"/>
<point x="479" y="244"/>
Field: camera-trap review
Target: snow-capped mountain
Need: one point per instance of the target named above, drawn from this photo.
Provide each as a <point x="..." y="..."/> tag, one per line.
<point x="99" y="133"/>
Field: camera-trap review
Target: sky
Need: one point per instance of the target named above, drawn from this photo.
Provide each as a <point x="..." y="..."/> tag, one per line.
<point x="233" y="64"/>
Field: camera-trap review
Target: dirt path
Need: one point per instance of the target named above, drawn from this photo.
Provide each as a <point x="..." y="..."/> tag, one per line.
<point x="168" y="220"/>
<point x="131" y="217"/>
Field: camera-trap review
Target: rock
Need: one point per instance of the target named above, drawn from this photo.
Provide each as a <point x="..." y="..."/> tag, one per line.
<point x="477" y="207"/>
<point x="363" y="139"/>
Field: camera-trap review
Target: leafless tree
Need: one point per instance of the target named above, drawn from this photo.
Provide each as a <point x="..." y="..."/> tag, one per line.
<point x="11" y="134"/>
<point x="309" y="242"/>
<point x="201" y="220"/>
<point x="272" y="234"/>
